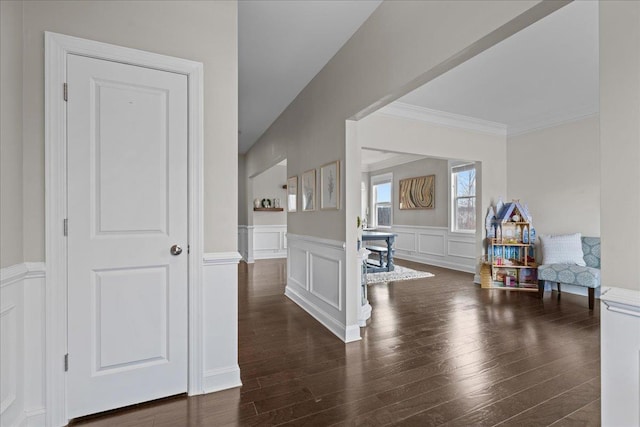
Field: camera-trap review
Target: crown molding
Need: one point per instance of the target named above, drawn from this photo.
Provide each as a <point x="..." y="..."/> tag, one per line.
<point x="547" y="120"/>
<point x="552" y="119"/>
<point x="442" y="118"/>
<point x="400" y="159"/>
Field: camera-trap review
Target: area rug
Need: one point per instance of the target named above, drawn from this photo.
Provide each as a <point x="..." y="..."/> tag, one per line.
<point x="399" y="273"/>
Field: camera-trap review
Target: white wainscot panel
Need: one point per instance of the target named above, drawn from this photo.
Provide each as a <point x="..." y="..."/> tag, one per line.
<point x="220" y="303"/>
<point x="431" y="244"/>
<point x="22" y="345"/>
<point x="462" y="248"/>
<point x="269" y="241"/>
<point x="297" y="267"/>
<point x="436" y="246"/>
<point x="620" y="356"/>
<point x="326" y="280"/>
<point x="316" y="282"/>
<point x="405" y="241"/>
<point x="9" y="359"/>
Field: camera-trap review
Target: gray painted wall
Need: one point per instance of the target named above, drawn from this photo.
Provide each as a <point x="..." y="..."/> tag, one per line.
<point x="195" y="30"/>
<point x="437" y="217"/>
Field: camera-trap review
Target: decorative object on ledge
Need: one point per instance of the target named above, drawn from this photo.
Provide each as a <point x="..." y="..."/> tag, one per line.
<point x="309" y="190"/>
<point x="418" y="193"/>
<point x="268" y="209"/>
<point x="292" y="194"/>
<point x="330" y="185"/>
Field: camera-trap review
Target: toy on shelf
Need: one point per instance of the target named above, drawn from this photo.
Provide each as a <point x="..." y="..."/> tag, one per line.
<point x="510" y="247"/>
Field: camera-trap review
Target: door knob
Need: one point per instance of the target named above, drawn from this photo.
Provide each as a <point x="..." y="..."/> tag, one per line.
<point x="176" y="250"/>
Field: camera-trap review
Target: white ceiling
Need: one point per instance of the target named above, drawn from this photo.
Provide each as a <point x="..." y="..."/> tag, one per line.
<point x="282" y="45"/>
<point x="543" y="75"/>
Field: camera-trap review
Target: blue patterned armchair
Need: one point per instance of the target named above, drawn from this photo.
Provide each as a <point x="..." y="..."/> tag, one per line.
<point x="588" y="276"/>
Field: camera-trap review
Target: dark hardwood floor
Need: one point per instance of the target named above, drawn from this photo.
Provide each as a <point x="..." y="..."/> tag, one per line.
<point x="437" y="351"/>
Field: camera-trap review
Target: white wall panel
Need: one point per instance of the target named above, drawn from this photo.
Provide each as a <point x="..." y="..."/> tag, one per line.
<point x="431" y="244"/>
<point x="326" y="279"/>
<point x="297" y="267"/>
<point x="405" y="241"/>
<point x="262" y="242"/>
<point x="220" y="304"/>
<point x="9" y="359"/>
<point x="22" y="345"/>
<point x="266" y="240"/>
<point x="436" y="246"/>
<point x="315" y="281"/>
<point x="461" y="248"/>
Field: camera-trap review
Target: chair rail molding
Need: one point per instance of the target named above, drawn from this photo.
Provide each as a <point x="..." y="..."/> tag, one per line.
<point x="620" y="356"/>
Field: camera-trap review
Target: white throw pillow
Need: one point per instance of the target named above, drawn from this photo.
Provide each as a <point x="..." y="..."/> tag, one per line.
<point x="562" y="249"/>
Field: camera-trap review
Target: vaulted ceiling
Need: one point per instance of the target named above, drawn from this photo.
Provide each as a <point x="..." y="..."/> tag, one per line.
<point x="545" y="74"/>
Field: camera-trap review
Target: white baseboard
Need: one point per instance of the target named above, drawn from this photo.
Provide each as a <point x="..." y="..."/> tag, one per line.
<point x="221" y="379"/>
<point x="345" y="333"/>
<point x="437" y="263"/>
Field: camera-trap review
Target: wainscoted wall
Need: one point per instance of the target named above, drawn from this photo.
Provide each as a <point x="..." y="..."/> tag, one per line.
<point x="436" y="246"/>
<point x="620" y="356"/>
<point x="220" y="326"/>
<point x="262" y="242"/>
<point x="22" y="345"/>
<point x="316" y="282"/>
<point x="22" y="335"/>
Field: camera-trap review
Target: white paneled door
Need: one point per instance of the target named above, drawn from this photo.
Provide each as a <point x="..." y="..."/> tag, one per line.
<point x="127" y="221"/>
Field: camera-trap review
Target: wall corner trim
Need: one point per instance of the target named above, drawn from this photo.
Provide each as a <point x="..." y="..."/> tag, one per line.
<point x="326" y="242"/>
<point x="215" y="258"/>
<point x="14" y="273"/>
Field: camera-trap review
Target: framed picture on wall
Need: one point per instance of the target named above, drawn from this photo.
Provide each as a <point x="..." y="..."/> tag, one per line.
<point x="292" y="194"/>
<point x="418" y="193"/>
<point x="309" y="190"/>
<point x="330" y="185"/>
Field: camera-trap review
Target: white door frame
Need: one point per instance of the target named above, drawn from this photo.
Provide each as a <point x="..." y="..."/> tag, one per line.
<point x="57" y="47"/>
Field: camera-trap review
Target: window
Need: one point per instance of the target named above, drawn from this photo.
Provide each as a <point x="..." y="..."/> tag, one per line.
<point x="381" y="200"/>
<point x="463" y="197"/>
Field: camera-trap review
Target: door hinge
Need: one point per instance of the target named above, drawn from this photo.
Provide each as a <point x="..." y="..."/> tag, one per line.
<point x="65" y="91"/>
<point x="66" y="362"/>
<point x="188" y="249"/>
<point x="65" y="225"/>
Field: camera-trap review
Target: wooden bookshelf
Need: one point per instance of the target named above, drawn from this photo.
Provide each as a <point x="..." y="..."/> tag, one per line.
<point x="268" y="209"/>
